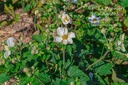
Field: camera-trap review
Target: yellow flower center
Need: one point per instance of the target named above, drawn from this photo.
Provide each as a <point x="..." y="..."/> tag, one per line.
<point x="66" y="19"/>
<point x="94" y="20"/>
<point x="65" y="37"/>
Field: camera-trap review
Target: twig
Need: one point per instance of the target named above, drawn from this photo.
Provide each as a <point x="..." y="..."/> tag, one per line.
<point x="97" y="60"/>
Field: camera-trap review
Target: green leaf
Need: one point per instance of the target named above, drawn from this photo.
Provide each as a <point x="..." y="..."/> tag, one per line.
<point x="126" y="21"/>
<point x="73" y="71"/>
<point x="69" y="50"/>
<point x="3" y="78"/>
<point x="104" y="2"/>
<point x="44" y="77"/>
<point x="103" y="68"/>
<point x="3" y="23"/>
<point x="38" y="38"/>
<point x="84" y="79"/>
<point x="16" y="17"/>
<point x="118" y="83"/>
<point x="123" y="3"/>
<point x="25" y="80"/>
<point x="67" y="64"/>
<point x="77" y="23"/>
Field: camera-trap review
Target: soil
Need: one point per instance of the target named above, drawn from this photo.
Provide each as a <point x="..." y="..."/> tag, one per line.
<point x="21" y="29"/>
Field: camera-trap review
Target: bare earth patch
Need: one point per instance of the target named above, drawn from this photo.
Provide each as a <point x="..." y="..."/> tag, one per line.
<point x="23" y="28"/>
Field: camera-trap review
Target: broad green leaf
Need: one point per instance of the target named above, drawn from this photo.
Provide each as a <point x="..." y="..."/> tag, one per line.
<point x="123" y="3"/>
<point x="100" y="80"/>
<point x="3" y="78"/>
<point x="73" y="71"/>
<point x="84" y="79"/>
<point x="38" y="38"/>
<point x="118" y="83"/>
<point x="103" y="68"/>
<point x="44" y="77"/>
<point x="69" y="50"/>
<point x="25" y="80"/>
<point x="67" y="64"/>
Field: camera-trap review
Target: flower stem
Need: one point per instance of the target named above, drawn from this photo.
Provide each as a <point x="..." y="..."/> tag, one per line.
<point x="64" y="57"/>
<point x="97" y="60"/>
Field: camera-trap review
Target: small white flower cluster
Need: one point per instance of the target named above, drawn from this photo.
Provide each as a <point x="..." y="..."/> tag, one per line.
<point x="10" y="43"/>
<point x="94" y="20"/>
<point x="62" y="32"/>
<point x="120" y="43"/>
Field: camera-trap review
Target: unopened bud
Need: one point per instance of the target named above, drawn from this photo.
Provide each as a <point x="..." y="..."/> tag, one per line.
<point x="25" y="70"/>
<point x="36" y="12"/>
<point x="72" y="83"/>
<point x="103" y="31"/>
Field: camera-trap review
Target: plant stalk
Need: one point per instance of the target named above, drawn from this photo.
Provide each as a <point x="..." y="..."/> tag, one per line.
<point x="97" y="60"/>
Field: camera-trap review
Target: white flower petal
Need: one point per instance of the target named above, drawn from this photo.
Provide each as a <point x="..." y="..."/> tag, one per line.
<point x="74" y="1"/>
<point x="70" y="40"/>
<point x="10" y="42"/>
<point x="66" y="19"/>
<point x="123" y="48"/>
<point x="60" y="31"/>
<point x="71" y="35"/>
<point x="65" y="31"/>
<point x="6" y="48"/>
<point x="122" y="37"/>
<point x="93" y="16"/>
<point x="7" y="53"/>
<point x="119" y="43"/>
<point x="90" y="18"/>
<point x="57" y="39"/>
<point x="65" y="42"/>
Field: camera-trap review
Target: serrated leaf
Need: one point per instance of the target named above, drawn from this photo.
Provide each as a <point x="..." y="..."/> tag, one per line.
<point x="103" y="68"/>
<point x="73" y="71"/>
<point x="44" y="77"/>
<point x="123" y="3"/>
<point x="3" y="78"/>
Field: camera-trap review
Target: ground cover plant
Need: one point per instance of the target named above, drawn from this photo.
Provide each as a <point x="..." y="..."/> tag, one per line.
<point x="64" y="42"/>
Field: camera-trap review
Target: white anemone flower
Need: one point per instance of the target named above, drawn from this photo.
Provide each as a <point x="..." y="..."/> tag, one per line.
<point x="10" y="41"/>
<point x="64" y="36"/>
<point x="7" y="53"/>
<point x="94" y="20"/>
<point x="66" y="19"/>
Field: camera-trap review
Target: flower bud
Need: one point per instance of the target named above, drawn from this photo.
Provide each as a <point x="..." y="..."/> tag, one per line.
<point x="36" y="12"/>
<point x="103" y="30"/>
<point x="25" y="70"/>
<point x="72" y="83"/>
